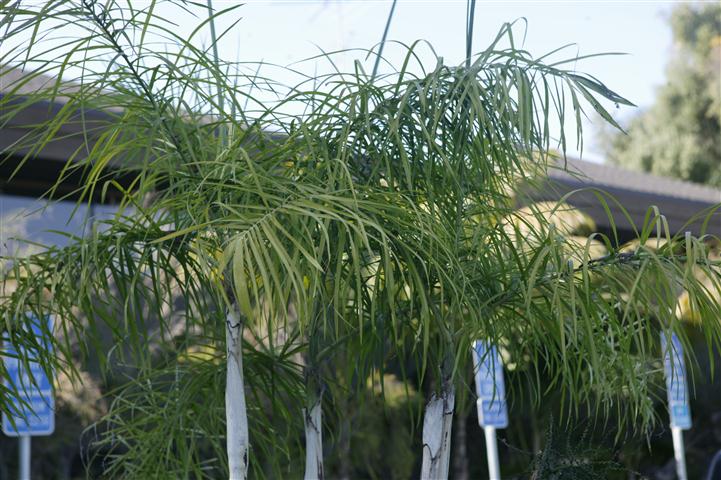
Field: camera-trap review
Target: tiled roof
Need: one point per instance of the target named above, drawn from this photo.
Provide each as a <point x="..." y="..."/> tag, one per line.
<point x="629" y="196"/>
<point x="605" y="175"/>
<point x="18" y="82"/>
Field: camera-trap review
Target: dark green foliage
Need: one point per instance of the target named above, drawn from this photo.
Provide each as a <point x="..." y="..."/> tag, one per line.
<point x="568" y="456"/>
<point x="372" y="434"/>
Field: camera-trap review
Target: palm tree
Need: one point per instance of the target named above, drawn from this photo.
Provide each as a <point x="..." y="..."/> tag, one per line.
<point x="373" y="221"/>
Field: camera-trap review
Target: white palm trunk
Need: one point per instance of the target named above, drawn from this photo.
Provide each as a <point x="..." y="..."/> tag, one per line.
<point x="313" y="441"/>
<point x="437" y="423"/>
<point x="236" y="415"/>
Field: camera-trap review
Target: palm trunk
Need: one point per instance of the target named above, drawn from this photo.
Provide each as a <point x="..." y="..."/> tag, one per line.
<point x="236" y="415"/>
<point x="312" y="414"/>
<point x="437" y="423"/>
<point x="344" y="467"/>
<point x="313" y="439"/>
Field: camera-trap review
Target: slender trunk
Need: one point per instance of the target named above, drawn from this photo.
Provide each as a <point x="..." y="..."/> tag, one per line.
<point x="536" y="432"/>
<point x="437" y="423"/>
<point x="312" y="414"/>
<point x="313" y="440"/>
<point x="460" y="457"/>
<point x="344" y="467"/>
<point x="236" y="415"/>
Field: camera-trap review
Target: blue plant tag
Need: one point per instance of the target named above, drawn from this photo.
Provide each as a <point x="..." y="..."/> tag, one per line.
<point x="676" y="383"/>
<point x="491" y="390"/>
<point x="30" y="390"/>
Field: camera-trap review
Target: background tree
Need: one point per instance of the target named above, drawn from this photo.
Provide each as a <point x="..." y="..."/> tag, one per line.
<point x="680" y="134"/>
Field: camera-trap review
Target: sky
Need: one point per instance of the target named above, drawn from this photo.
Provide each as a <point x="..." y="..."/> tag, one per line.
<point x="287" y="31"/>
<point x="284" y="32"/>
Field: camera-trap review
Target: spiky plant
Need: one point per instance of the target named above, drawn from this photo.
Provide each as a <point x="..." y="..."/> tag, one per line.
<point x="355" y="213"/>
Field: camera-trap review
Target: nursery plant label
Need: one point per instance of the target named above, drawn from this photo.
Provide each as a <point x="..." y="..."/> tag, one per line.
<point x="491" y="390"/>
<point x="676" y="383"/>
<point x="32" y="404"/>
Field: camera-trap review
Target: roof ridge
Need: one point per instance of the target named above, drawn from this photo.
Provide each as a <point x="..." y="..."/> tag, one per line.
<point x="615" y="176"/>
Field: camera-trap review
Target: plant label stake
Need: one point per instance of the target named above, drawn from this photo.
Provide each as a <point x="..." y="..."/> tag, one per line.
<point x="678" y="404"/>
<point x="32" y="405"/>
<point x="491" y="402"/>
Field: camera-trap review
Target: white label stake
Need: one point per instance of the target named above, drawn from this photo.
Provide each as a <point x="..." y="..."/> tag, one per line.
<point x="24" y="460"/>
<point x="679" y="453"/>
